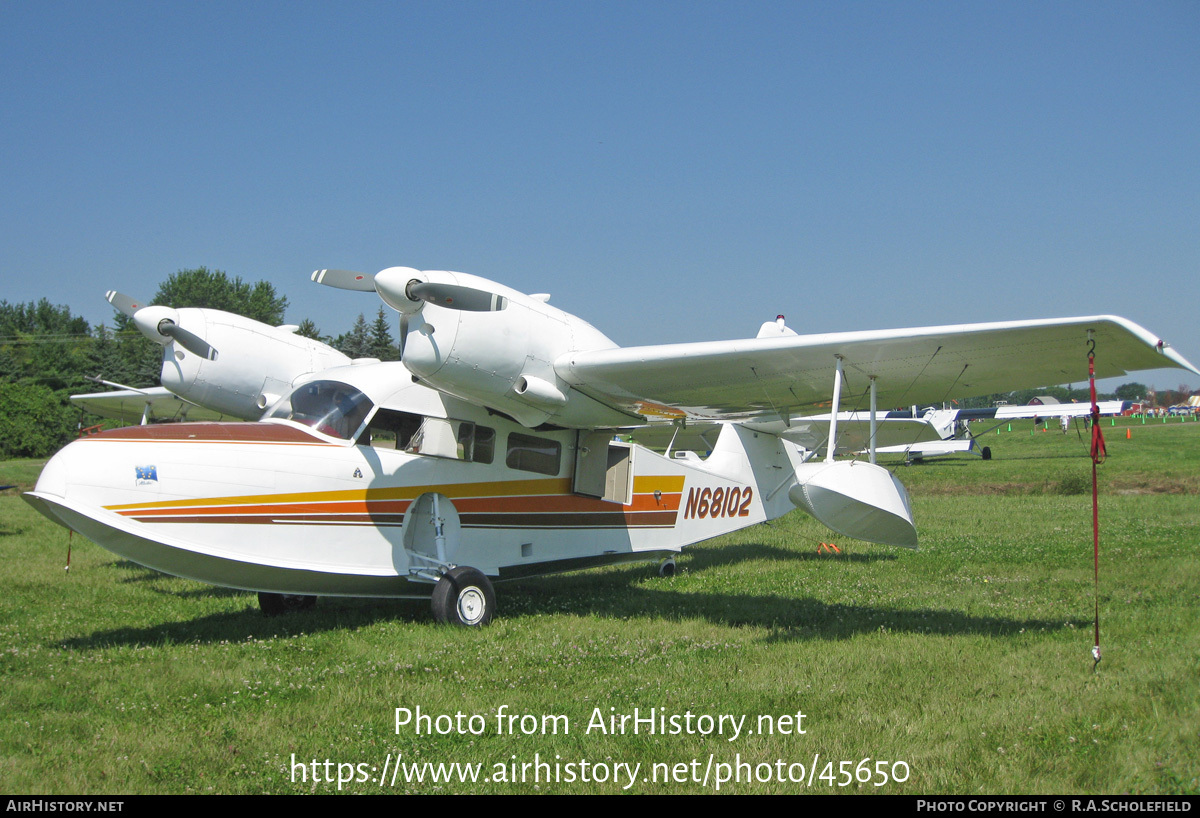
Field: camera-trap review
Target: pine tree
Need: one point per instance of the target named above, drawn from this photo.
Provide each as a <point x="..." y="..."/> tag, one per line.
<point x="382" y="345"/>
<point x="357" y="342"/>
<point x="308" y="329"/>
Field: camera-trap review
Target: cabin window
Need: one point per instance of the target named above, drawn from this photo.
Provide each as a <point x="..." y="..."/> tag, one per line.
<point x="436" y="437"/>
<point x="536" y="454"/>
<point x="390" y="429"/>
<point x="456" y="439"/>
<point x="485" y="444"/>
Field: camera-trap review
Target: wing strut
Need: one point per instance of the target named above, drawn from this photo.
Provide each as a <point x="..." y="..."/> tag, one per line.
<point x="837" y="398"/>
<point x="874" y="422"/>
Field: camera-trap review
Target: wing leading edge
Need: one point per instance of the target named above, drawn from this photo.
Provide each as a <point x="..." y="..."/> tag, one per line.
<point x="793" y="375"/>
<point x="155" y="404"/>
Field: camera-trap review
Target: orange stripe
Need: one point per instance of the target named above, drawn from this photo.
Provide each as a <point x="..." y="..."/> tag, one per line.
<point x="517" y="495"/>
<point x="386" y="507"/>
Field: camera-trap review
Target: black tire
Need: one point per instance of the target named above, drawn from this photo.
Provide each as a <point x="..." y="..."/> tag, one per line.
<point x="280" y="604"/>
<point x="986" y="452"/>
<point x="464" y="596"/>
<point x="666" y="568"/>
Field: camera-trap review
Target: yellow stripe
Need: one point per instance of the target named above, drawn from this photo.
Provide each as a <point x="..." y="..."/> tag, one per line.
<point x="503" y="488"/>
<point x="650" y="483"/>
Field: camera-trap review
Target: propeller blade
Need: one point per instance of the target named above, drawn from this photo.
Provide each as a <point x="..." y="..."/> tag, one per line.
<point x="345" y="280"/>
<point x="455" y="296"/>
<point x="123" y="303"/>
<point x="190" y="341"/>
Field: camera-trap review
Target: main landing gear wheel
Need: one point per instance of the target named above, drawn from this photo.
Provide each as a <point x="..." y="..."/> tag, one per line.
<point x="666" y="568"/>
<point x="279" y="604"/>
<point x="464" y="596"/>
<point x="986" y="453"/>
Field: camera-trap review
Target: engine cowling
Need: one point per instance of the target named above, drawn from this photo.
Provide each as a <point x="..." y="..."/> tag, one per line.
<point x="496" y="346"/>
<point x="260" y="362"/>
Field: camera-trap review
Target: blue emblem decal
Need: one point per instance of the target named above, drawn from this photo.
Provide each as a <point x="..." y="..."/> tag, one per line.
<point x="146" y="474"/>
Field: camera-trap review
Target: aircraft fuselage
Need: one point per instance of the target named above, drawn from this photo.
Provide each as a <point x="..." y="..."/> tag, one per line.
<point x="280" y="507"/>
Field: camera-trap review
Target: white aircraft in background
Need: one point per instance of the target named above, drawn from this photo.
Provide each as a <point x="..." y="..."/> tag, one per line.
<point x="931" y="432"/>
<point x="489" y="451"/>
<point x="215" y="365"/>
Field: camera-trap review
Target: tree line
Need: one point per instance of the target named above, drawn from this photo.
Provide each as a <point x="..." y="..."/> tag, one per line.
<point x="48" y="354"/>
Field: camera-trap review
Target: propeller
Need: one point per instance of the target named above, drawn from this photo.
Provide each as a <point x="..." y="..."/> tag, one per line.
<point x="408" y="290"/>
<point x="122" y="302"/>
<point x="190" y="341"/>
<point x="455" y="296"/>
<point x="345" y="280"/>
<point x="403" y="287"/>
<point x="158" y="323"/>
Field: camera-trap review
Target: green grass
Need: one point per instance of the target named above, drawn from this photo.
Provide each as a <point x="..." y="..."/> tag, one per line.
<point x="969" y="659"/>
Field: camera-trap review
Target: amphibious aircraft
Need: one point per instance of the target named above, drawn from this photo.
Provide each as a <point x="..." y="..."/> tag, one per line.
<point x="506" y="444"/>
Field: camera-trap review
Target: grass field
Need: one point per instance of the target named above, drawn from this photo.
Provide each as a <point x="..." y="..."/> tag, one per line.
<point x="965" y="666"/>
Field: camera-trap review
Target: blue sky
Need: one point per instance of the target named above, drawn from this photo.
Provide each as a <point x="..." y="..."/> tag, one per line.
<point x="668" y="171"/>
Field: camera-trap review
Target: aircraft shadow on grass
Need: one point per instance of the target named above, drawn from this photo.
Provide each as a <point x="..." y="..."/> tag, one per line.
<point x="702" y="559"/>
<point x="619" y="593"/>
<point x="699" y="560"/>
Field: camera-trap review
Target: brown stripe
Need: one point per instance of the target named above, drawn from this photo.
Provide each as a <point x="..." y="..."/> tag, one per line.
<point x="566" y="503"/>
<point x="213" y="433"/>
<point x="610" y="519"/>
<point x="282" y="519"/>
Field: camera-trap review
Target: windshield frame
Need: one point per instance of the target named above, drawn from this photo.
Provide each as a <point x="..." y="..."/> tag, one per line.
<point x="330" y="407"/>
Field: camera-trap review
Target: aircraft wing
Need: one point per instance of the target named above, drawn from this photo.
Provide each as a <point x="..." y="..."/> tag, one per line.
<point x="854" y="433"/>
<point x="793" y="375"/>
<point x="1053" y="410"/>
<point x="157" y="404"/>
<point x="934" y="448"/>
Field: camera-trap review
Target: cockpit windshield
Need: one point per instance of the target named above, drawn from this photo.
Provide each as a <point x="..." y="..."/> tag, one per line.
<point x="331" y="407"/>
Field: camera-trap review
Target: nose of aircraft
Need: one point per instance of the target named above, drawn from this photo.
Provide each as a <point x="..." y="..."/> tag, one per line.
<point x="52" y="483"/>
<point x="85" y="475"/>
<point x="53" y="479"/>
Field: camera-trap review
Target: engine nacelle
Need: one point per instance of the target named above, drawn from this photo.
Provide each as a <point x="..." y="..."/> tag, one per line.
<point x="259" y="362"/>
<point x="501" y="354"/>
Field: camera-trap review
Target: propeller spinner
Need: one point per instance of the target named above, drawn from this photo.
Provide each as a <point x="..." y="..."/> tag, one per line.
<point x="408" y="290"/>
<point x="161" y="325"/>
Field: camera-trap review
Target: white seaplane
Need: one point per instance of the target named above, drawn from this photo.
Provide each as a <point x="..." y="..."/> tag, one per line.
<point x="514" y="439"/>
